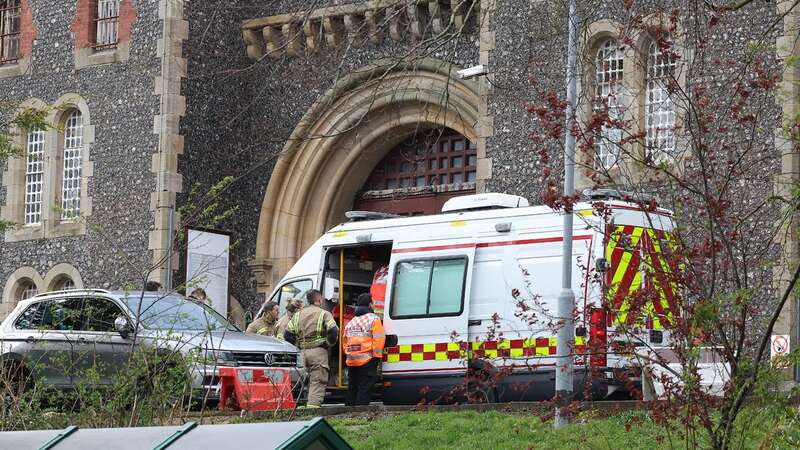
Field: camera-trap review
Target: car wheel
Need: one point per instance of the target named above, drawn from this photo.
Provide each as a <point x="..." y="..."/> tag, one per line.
<point x="13" y="383"/>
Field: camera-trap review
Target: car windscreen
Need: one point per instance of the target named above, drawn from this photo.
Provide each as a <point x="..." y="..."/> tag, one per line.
<point x="176" y="313"/>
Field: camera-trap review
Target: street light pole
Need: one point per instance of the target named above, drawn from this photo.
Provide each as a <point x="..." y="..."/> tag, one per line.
<point x="566" y="299"/>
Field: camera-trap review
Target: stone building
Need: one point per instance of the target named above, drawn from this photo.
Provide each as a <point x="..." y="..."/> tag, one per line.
<point x="313" y="107"/>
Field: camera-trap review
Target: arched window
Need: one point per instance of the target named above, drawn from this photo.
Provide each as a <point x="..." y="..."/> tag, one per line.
<point x="419" y="174"/>
<point x="609" y="92"/>
<point x="660" y="109"/>
<point x="34" y="176"/>
<point x="71" y="175"/>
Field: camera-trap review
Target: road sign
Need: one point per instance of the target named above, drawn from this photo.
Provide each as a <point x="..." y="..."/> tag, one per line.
<point x="779" y="345"/>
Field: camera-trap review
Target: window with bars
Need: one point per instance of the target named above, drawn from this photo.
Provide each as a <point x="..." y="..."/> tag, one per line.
<point x="9" y="31"/>
<point x="609" y="93"/>
<point x="107" y="24"/>
<point x="659" y="107"/>
<point x="71" y="175"/>
<point x="427" y="159"/>
<point x="34" y="176"/>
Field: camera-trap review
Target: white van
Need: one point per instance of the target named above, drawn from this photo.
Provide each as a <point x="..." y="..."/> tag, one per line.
<point x="476" y="288"/>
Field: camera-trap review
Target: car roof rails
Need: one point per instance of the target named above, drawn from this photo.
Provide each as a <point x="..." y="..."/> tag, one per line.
<point x="361" y="216"/>
<point x="616" y="194"/>
<point x="72" y="291"/>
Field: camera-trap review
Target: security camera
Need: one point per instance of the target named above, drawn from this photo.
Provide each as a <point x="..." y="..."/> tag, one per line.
<point x="472" y="72"/>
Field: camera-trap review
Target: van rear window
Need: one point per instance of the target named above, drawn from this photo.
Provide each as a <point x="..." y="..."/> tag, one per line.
<point x="432" y="287"/>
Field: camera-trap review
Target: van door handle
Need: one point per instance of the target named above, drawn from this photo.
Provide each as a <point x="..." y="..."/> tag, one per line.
<point x="474" y="322"/>
<point x="30" y="340"/>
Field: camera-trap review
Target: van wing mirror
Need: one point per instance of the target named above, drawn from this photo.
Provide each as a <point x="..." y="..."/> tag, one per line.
<point x="391" y="340"/>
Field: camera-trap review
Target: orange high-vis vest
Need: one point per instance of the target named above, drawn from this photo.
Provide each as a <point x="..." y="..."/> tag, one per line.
<point x="363" y="339"/>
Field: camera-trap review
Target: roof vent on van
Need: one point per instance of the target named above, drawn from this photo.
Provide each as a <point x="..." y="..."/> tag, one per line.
<point x="360" y="216"/>
<point x="484" y="201"/>
<point x="616" y="194"/>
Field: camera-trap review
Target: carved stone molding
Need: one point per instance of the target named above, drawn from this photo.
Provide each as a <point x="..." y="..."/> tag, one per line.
<point x="358" y="24"/>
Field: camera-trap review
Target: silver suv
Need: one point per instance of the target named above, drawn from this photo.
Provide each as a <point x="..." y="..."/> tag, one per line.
<point x="53" y="336"/>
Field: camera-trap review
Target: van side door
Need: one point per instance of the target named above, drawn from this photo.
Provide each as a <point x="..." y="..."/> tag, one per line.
<point x="427" y="308"/>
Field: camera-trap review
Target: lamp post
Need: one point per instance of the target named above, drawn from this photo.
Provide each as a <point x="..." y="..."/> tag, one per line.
<point x="566" y="299"/>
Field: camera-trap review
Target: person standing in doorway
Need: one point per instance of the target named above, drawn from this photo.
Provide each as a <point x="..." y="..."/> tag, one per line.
<point x="313" y="331"/>
<point x="364" y="340"/>
<point x="267" y="324"/>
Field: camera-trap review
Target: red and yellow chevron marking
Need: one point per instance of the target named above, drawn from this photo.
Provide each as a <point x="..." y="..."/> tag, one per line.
<point x="447" y="351"/>
<point x="636" y="260"/>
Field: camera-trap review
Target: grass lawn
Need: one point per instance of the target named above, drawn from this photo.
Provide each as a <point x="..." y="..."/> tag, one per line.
<point x="470" y="430"/>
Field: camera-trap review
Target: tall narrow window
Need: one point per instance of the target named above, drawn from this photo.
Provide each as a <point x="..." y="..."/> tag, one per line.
<point x="609" y="92"/>
<point x="107" y="22"/>
<point x="9" y="31"/>
<point x="660" y="116"/>
<point x="71" y="177"/>
<point x="34" y="177"/>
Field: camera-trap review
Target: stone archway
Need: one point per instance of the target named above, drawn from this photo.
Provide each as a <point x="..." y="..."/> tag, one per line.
<point x="338" y="142"/>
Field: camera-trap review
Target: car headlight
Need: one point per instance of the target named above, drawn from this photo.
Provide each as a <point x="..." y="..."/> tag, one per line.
<point x="301" y="362"/>
<point x="219" y="358"/>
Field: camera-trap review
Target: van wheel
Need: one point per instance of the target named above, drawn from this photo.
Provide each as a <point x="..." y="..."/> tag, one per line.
<point x="480" y="386"/>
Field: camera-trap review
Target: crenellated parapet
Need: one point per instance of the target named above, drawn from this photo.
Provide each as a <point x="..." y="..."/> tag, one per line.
<point x="359" y="24"/>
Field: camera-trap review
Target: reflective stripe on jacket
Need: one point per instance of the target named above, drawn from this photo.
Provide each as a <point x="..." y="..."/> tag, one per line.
<point x="364" y="339"/>
<point x="310" y="325"/>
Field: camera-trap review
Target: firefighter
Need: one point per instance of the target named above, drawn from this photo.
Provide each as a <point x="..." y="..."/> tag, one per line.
<point x="363" y="343"/>
<point x="267" y="324"/>
<point x="313" y="331"/>
<point x="292" y="306"/>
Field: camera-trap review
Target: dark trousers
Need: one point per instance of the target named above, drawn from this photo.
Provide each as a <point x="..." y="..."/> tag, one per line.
<point x="360" y="380"/>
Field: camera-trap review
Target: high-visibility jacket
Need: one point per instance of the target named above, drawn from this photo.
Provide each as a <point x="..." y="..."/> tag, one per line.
<point x="312" y="327"/>
<point x="263" y="326"/>
<point x="364" y="339"/>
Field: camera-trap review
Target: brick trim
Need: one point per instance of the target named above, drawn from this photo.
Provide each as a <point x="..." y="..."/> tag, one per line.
<point x="82" y="23"/>
<point x="127" y="18"/>
<point x="28" y="30"/>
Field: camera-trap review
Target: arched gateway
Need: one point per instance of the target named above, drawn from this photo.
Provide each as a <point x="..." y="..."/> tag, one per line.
<point x="331" y="157"/>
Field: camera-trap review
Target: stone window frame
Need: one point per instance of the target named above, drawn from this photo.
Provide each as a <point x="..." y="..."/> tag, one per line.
<point x="51" y="225"/>
<point x="16" y="283"/>
<point x="60" y="273"/>
<point x="635" y="79"/>
<point x="84" y="28"/>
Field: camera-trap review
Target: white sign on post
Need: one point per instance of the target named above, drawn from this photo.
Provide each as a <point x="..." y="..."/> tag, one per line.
<point x="779" y="345"/>
<point x="207" y="266"/>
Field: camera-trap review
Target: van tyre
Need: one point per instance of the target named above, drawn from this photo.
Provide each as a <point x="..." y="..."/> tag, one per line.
<point x="480" y="386"/>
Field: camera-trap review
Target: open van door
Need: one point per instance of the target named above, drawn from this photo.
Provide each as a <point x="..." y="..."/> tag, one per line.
<point x="427" y="308"/>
